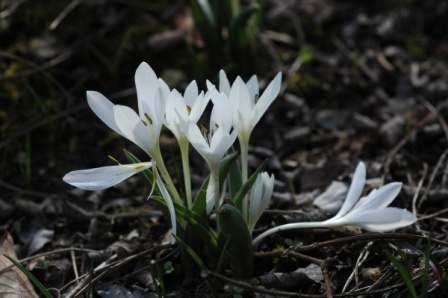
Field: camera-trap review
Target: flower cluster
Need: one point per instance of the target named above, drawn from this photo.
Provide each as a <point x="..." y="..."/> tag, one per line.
<point x="237" y="108"/>
<point x="159" y="106"/>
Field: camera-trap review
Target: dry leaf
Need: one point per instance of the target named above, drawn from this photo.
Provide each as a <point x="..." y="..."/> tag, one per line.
<point x="13" y="282"/>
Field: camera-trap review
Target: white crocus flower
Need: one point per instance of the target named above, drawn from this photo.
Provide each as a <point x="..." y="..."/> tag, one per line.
<point x="259" y="198"/>
<point x="213" y="145"/>
<point x="245" y="100"/>
<point x="370" y="212"/>
<point x="189" y="107"/>
<point x="143" y="128"/>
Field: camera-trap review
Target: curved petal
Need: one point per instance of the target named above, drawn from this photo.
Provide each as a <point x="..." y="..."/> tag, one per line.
<point x="403" y="219"/>
<point x="380" y="198"/>
<point x="252" y="87"/>
<point x="133" y="129"/>
<point x="104" y="177"/>
<point x="169" y="205"/>
<point x="260" y="197"/>
<point x="199" y="105"/>
<point x="390" y="216"/>
<point x="191" y="93"/>
<point x="197" y="140"/>
<point x="103" y="108"/>
<point x="224" y="85"/>
<point x="355" y="190"/>
<point x="240" y="101"/>
<point x="268" y="96"/>
<point x="175" y="108"/>
<point x="146" y="84"/>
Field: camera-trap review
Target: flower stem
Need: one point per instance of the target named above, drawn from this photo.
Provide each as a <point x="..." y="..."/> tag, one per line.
<point x="244" y="147"/>
<point x="294" y="226"/>
<point x="166" y="177"/>
<point x="186" y="171"/>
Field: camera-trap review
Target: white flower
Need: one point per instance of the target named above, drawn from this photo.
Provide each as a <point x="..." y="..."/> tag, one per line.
<point x="370" y="212"/>
<point x="244" y="99"/>
<point x="259" y="198"/>
<point x="104" y="177"/>
<point x="144" y="128"/>
<point x="189" y="107"/>
<point x="212" y="145"/>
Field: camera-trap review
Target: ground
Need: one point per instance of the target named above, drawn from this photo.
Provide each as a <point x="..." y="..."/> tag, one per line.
<point x="361" y="82"/>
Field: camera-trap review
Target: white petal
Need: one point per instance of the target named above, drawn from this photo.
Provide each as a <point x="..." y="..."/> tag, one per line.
<point x="270" y="93"/>
<point x="146" y="84"/>
<point x="104" y="177"/>
<point x="221" y="113"/>
<point x="252" y="87"/>
<point x="197" y="140"/>
<point x="260" y="197"/>
<point x="164" y="88"/>
<point x="403" y="219"/>
<point x="191" y="93"/>
<point x="355" y="190"/>
<point x="175" y="108"/>
<point x="240" y="93"/>
<point x="224" y="85"/>
<point x="103" y="108"/>
<point x="200" y="104"/>
<point x="169" y="204"/>
<point x="380" y="198"/>
<point x="377" y="218"/>
<point x="133" y="129"/>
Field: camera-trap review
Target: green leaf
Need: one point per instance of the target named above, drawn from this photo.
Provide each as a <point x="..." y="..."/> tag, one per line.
<point x="404" y="274"/>
<point x="200" y="203"/>
<point x="239" y="248"/>
<point x="191" y="252"/>
<point x="305" y="54"/>
<point x="249" y="183"/>
<point x="234" y="178"/>
<point x="195" y="221"/>
<point x="31" y="277"/>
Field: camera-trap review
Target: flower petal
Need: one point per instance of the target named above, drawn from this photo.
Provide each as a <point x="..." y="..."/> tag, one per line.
<point x="224" y="85"/>
<point x="268" y="96"/>
<point x="133" y="129"/>
<point x="103" y="108"/>
<point x="170" y="206"/>
<point x="403" y="218"/>
<point x="191" y="93"/>
<point x="378" y="219"/>
<point x="146" y="84"/>
<point x="104" y="177"/>
<point x="252" y="87"/>
<point x="380" y="198"/>
<point x="355" y="190"/>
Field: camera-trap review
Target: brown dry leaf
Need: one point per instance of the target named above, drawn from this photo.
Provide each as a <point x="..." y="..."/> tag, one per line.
<point x="13" y="282"/>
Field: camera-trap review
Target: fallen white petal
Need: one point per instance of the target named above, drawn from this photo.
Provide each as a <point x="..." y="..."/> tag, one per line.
<point x="104" y="177"/>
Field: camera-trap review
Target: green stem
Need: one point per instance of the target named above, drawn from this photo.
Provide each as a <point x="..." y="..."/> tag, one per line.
<point x="244" y="147"/>
<point x="166" y="178"/>
<point x="215" y="180"/>
<point x="186" y="171"/>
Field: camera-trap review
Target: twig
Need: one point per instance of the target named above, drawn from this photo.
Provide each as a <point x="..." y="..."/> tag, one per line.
<point x="362" y="257"/>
